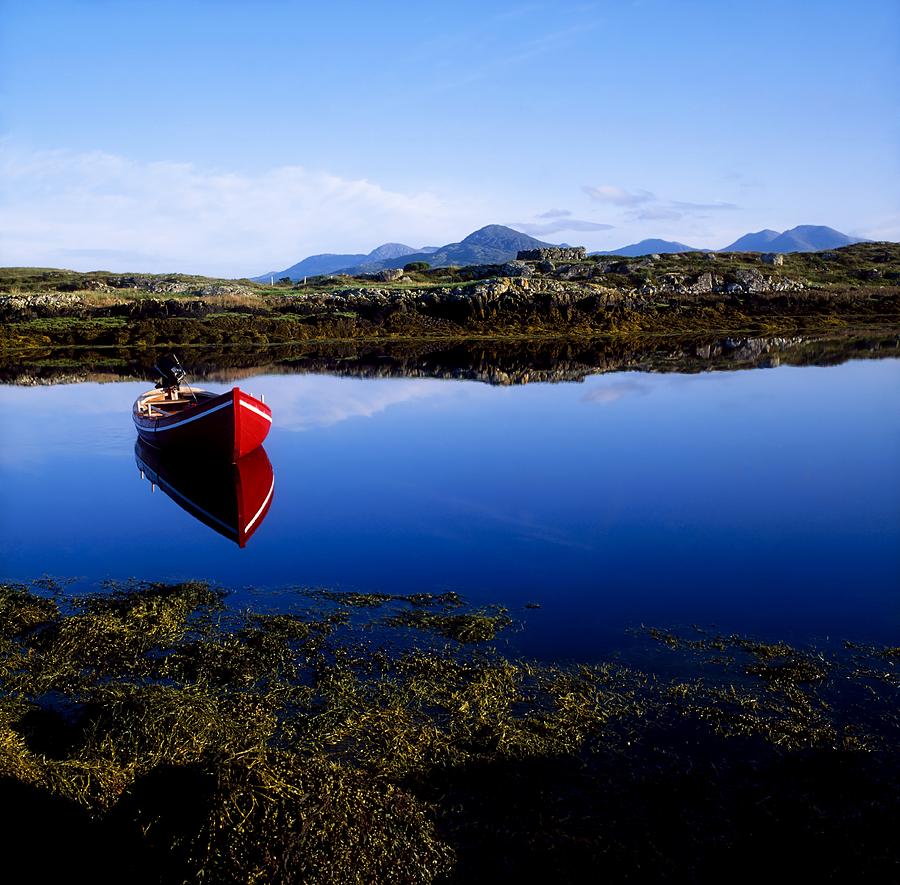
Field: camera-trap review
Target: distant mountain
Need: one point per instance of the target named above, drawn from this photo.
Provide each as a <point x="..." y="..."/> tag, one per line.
<point x="758" y="242"/>
<point x="494" y="244"/>
<point x="649" y="247"/>
<point x="390" y="250"/>
<point x="328" y="262"/>
<point x="803" y="238"/>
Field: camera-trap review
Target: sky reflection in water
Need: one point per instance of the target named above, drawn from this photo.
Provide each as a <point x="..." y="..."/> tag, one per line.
<point x="760" y="501"/>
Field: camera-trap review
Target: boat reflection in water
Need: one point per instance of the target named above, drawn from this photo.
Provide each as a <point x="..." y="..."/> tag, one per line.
<point x="232" y="498"/>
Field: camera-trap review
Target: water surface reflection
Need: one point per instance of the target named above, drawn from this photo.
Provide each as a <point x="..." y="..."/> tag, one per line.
<point x="760" y="501"/>
<point x="231" y="498"/>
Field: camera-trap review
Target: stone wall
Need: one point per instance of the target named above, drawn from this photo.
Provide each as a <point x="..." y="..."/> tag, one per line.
<point x="556" y="253"/>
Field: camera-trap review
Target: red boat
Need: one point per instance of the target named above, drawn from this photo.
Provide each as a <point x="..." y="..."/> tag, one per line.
<point x="232" y="499"/>
<point x="229" y="425"/>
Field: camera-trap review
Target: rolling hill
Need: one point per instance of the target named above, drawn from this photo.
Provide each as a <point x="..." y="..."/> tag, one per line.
<point x="649" y="247"/>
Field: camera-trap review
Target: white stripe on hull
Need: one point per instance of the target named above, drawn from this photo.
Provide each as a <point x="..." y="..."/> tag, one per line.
<point x="158" y="429"/>
<point x="258" y="411"/>
<point x="264" y="503"/>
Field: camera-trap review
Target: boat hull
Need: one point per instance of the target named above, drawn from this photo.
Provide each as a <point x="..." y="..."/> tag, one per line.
<point x="228" y="426"/>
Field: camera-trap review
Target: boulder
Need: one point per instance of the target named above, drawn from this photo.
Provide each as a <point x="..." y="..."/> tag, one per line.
<point x="388" y="275"/>
<point x="573" y="271"/>
<point x="773" y="258"/>
<point x="751" y="281"/>
<point x="703" y="285"/>
<point x="515" y="269"/>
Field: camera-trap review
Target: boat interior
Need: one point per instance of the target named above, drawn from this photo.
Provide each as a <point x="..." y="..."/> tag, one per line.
<point x="171" y="401"/>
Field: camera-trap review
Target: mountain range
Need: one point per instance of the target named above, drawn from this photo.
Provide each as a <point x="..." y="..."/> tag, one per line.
<point x="496" y="244"/>
<point x="316" y="265"/>
<point x="493" y="244"/>
<point x="804" y="238"/>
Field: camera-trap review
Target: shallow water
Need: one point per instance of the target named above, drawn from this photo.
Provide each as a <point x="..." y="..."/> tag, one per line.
<point x="758" y="501"/>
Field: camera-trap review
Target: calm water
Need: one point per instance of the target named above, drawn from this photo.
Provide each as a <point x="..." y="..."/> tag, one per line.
<point x="763" y="501"/>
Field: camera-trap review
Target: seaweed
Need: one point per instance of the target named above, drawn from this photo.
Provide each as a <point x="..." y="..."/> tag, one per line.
<point x="176" y="739"/>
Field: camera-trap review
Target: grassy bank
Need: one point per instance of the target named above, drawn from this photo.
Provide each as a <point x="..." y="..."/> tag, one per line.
<point x="155" y="734"/>
<point x="691" y="293"/>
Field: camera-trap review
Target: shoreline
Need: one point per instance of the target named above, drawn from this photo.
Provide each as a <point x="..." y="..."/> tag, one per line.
<point x="686" y="294"/>
<point x="503" y="360"/>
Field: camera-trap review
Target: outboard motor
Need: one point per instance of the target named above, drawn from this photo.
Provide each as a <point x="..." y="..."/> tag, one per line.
<point x="171" y="374"/>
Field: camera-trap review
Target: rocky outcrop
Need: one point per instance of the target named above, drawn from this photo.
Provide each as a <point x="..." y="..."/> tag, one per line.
<point x="388" y="275"/>
<point x="558" y="253"/>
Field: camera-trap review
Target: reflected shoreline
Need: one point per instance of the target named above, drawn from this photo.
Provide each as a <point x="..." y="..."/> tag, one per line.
<point x="498" y="361"/>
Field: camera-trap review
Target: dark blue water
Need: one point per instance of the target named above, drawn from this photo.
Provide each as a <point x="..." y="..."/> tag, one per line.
<point x="762" y="501"/>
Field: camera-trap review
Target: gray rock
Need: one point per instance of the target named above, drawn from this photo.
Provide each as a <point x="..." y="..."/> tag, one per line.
<point x="559" y="253"/>
<point x="515" y="269"/>
<point x="751" y="281"/>
<point x="703" y="285"/>
<point x="773" y="258"/>
<point x="573" y="271"/>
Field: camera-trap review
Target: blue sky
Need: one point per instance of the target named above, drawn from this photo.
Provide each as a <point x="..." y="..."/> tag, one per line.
<point x="236" y="138"/>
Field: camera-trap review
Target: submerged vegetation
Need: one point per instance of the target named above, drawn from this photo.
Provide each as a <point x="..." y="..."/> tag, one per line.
<point x="171" y="737"/>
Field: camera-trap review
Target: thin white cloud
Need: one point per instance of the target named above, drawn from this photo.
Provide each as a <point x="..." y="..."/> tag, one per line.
<point x="555" y="213"/>
<point x="717" y="206"/>
<point x="92" y="210"/>
<point x="643" y="205"/>
<point x="611" y="392"/>
<point x="655" y="213"/>
<point x="563" y="224"/>
<point x="610" y="193"/>
<point x="307" y="402"/>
